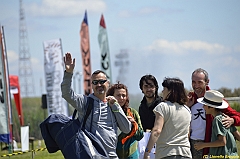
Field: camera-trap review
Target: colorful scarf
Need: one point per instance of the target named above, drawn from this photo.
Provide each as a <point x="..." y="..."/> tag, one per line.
<point x="134" y="127"/>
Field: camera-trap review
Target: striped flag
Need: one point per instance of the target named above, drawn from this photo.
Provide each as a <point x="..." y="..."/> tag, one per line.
<point x="5" y="105"/>
<point x="104" y="48"/>
<point x="86" y="60"/>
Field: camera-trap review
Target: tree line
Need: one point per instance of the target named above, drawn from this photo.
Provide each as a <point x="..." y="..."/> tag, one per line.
<point x="230" y="93"/>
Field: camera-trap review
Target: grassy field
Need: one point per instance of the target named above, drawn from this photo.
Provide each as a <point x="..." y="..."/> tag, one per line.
<point x="36" y="154"/>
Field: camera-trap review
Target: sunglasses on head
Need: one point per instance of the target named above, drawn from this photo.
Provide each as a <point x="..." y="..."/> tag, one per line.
<point x="95" y="82"/>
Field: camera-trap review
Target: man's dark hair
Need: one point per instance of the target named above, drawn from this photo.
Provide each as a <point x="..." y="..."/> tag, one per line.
<point x="146" y="78"/>
<point x="98" y="71"/>
<point x="177" y="90"/>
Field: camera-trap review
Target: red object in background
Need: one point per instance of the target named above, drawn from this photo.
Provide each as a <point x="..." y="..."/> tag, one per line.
<point x="14" y="84"/>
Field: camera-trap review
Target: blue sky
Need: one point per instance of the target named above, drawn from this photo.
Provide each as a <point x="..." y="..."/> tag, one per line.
<point x="165" y="38"/>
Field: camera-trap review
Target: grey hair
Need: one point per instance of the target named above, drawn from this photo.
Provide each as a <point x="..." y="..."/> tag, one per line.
<point x="200" y="70"/>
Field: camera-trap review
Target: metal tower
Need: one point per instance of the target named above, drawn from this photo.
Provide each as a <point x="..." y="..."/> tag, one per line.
<point x="25" y="69"/>
<point x="123" y="63"/>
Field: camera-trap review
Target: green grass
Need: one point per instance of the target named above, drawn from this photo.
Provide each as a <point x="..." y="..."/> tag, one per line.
<point x="45" y="155"/>
<point x="35" y="155"/>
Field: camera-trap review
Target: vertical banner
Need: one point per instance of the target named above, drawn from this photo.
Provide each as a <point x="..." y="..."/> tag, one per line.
<point x="15" y="90"/>
<point x="85" y="50"/>
<point x="5" y="105"/>
<point x="54" y="69"/>
<point x="104" y="48"/>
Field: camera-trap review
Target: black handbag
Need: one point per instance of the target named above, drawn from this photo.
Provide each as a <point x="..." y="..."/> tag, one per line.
<point x="70" y="136"/>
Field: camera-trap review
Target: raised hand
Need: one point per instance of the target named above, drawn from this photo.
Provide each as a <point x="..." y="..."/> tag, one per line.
<point x="191" y="99"/>
<point x="69" y="63"/>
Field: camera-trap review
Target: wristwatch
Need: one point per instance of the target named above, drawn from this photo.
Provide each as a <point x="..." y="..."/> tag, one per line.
<point x="147" y="150"/>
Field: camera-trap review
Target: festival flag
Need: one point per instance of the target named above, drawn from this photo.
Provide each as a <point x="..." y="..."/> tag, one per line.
<point x="86" y="60"/>
<point x="104" y="47"/>
<point x="54" y="69"/>
<point x="5" y="101"/>
<point x="15" y="90"/>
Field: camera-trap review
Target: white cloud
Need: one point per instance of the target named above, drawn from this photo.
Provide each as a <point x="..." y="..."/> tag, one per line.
<point x="12" y="56"/>
<point x="147" y="11"/>
<point x="184" y="47"/>
<point x="66" y="7"/>
<point x="37" y="65"/>
<point x="13" y="62"/>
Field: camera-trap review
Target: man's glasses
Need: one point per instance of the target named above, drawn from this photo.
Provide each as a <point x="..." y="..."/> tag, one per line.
<point x="95" y="82"/>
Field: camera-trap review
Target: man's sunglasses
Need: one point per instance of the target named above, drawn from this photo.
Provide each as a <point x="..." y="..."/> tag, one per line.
<point x="95" y="82"/>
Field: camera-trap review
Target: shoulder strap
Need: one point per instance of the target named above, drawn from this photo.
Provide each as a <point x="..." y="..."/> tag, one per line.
<point x="187" y="108"/>
<point x="89" y="106"/>
<point x="89" y="109"/>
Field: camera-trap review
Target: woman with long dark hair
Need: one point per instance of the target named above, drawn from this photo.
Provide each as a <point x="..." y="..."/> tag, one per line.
<point x="172" y="122"/>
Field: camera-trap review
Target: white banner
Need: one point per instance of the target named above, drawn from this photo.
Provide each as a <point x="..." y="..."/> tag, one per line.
<point x="5" y="106"/>
<point x="25" y="138"/>
<point x="54" y="69"/>
<point x="105" y="54"/>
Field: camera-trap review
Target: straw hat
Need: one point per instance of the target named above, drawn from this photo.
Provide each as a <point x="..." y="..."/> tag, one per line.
<point x="214" y="99"/>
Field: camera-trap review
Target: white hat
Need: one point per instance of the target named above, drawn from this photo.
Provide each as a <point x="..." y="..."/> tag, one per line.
<point x="214" y="99"/>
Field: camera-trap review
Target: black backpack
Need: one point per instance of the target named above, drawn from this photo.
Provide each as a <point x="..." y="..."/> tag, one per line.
<point x="70" y="136"/>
